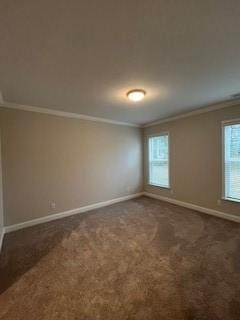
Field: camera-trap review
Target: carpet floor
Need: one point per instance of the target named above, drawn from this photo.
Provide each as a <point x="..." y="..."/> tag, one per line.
<point x="139" y="259"/>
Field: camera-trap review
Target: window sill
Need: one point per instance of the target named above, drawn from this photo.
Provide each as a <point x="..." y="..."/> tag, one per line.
<point x="231" y="200"/>
<point x="158" y="186"/>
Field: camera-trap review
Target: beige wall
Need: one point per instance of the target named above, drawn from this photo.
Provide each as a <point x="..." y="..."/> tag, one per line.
<point x="1" y="195"/>
<point x="75" y="163"/>
<point x="69" y="161"/>
<point x="195" y="159"/>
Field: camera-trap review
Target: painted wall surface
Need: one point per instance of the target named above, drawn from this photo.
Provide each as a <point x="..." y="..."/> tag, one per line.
<point x="195" y="159"/>
<point x="75" y="163"/>
<point x="1" y="194"/>
<point x="70" y="162"/>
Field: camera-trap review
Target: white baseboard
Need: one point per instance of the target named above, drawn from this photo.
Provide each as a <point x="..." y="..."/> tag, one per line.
<point x="212" y="212"/>
<point x="67" y="213"/>
<point x="1" y="238"/>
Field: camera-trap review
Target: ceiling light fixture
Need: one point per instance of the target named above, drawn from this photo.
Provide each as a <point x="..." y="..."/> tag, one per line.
<point x="136" y="95"/>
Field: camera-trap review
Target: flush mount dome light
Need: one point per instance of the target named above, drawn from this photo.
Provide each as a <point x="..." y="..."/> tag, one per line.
<point x="136" y="95"/>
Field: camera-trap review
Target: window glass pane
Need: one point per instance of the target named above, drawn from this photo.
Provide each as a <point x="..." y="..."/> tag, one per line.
<point x="232" y="161"/>
<point x="158" y="160"/>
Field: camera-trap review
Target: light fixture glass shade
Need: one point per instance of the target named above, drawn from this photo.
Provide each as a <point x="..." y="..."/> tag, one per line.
<point x="136" y="95"/>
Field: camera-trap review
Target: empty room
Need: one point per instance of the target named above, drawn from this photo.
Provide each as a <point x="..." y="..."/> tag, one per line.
<point x="119" y="160"/>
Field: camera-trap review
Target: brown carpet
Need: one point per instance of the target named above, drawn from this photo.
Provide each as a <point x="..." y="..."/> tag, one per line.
<point x="140" y="259"/>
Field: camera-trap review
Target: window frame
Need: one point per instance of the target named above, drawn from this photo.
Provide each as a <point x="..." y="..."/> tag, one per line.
<point x="223" y="125"/>
<point x="163" y="133"/>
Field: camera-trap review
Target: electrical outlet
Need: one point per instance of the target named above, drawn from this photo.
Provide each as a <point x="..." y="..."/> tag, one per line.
<point x="219" y="202"/>
<point x="52" y="205"/>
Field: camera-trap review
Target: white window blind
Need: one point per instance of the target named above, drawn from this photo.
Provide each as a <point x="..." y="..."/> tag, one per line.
<point x="232" y="161"/>
<point x="158" y="160"/>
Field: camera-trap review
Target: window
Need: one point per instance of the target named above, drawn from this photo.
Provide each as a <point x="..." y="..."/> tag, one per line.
<point x="231" y="133"/>
<point x="158" y="160"/>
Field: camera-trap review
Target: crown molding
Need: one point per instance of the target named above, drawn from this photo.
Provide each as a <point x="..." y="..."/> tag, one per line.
<point x="65" y="114"/>
<point x="213" y="107"/>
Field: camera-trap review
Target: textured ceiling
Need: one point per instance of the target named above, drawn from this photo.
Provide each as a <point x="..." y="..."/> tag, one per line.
<point x="82" y="56"/>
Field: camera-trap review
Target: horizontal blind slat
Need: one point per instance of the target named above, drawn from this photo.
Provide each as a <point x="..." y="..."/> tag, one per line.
<point x="158" y="160"/>
<point x="232" y="161"/>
